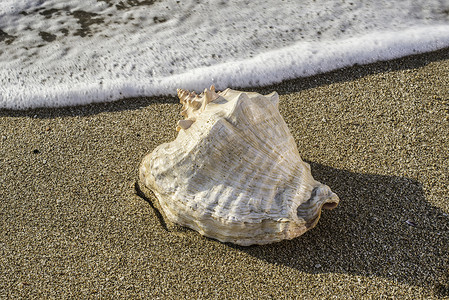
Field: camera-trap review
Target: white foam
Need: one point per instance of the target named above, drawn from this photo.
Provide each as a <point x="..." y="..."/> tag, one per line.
<point x="130" y="51"/>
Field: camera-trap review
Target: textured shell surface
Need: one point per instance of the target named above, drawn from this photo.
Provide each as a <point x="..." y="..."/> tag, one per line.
<point x="234" y="172"/>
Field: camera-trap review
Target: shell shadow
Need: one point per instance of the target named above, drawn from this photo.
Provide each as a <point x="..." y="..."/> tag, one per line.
<point x="383" y="227"/>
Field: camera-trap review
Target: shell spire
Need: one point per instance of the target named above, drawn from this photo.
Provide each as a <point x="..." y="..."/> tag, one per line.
<point x="193" y="105"/>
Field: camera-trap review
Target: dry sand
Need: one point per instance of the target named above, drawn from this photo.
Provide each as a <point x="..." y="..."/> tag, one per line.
<point x="378" y="135"/>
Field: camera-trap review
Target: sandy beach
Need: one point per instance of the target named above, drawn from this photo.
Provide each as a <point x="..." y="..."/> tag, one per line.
<point x="72" y="225"/>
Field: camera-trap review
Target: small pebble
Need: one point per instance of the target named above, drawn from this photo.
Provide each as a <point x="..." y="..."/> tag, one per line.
<point x="411" y="223"/>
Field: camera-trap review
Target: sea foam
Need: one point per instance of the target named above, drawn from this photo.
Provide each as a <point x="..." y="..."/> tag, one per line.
<point x="59" y="53"/>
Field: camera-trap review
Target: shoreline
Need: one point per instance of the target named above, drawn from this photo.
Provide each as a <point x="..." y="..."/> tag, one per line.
<point x="284" y="87"/>
<point x="72" y="225"/>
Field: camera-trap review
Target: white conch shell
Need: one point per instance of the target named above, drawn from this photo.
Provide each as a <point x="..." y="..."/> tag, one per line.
<point x="234" y="172"/>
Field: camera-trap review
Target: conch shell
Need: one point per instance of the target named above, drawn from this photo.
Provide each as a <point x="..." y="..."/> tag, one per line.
<point x="234" y="172"/>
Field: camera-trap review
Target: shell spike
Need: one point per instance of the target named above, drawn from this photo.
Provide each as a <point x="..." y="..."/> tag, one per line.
<point x="183" y="95"/>
<point x="184" y="124"/>
<point x="208" y="96"/>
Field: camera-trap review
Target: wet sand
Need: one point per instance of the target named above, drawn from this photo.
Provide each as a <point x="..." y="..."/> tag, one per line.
<point x="378" y="135"/>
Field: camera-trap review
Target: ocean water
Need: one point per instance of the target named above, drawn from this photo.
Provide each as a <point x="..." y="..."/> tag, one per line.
<point x="60" y="53"/>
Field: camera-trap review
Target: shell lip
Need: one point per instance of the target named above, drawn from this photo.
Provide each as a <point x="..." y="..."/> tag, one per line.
<point x="321" y="198"/>
<point x="330" y="205"/>
<point x="311" y="223"/>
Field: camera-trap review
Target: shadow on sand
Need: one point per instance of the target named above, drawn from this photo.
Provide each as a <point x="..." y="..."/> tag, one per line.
<point x="383" y="227"/>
